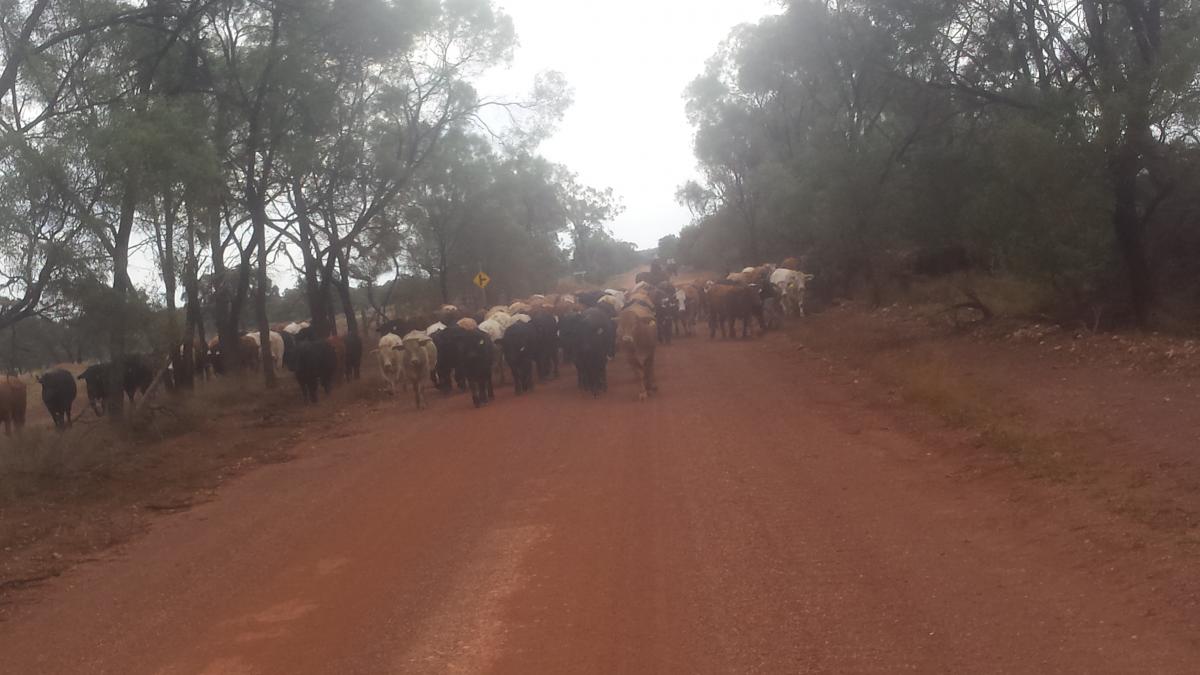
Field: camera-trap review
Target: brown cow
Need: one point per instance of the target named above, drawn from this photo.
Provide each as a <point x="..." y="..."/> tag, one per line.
<point x="637" y="337"/>
<point x="249" y="354"/>
<point x="730" y="302"/>
<point x="12" y="405"/>
<point x="689" y="308"/>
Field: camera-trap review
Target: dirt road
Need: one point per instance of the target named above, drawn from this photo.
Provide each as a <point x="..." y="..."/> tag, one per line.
<point x="754" y="518"/>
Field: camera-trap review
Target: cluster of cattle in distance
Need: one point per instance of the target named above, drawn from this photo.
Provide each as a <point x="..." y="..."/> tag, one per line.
<point x="471" y="352"/>
<point x="316" y="363"/>
<point x="451" y="349"/>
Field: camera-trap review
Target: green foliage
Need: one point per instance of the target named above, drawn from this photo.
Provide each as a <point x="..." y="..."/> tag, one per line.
<point x="857" y="134"/>
<point x="347" y="136"/>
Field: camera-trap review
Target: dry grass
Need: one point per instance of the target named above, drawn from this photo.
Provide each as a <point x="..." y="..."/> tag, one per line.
<point x="952" y="376"/>
<point x="926" y="379"/>
<point x="904" y="356"/>
<point x="41" y="459"/>
<point x="64" y="496"/>
<point x="1007" y="297"/>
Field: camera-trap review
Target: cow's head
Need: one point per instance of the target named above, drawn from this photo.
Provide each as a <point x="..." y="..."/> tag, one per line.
<point x="413" y="347"/>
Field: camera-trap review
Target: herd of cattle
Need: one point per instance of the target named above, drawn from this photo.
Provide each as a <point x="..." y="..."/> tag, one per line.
<point x="471" y="351"/>
<point x="452" y="348"/>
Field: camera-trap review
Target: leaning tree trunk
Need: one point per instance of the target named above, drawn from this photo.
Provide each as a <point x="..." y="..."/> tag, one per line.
<point x="314" y="292"/>
<point x="122" y="290"/>
<point x="344" y="292"/>
<point x="258" y="217"/>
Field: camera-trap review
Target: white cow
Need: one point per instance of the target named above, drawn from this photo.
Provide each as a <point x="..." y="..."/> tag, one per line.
<point x="391" y="358"/>
<point x="418" y="358"/>
<point x="503" y="318"/>
<point x="438" y="326"/>
<point x="276" y="348"/>
<point x="791" y="285"/>
<point x="612" y="301"/>
<point x="495" y="330"/>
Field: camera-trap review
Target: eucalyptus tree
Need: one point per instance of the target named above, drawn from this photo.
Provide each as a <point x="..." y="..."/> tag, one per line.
<point x="388" y="103"/>
<point x="1048" y="136"/>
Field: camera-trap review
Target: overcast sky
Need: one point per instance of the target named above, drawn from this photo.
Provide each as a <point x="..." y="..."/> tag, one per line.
<point x="628" y="62"/>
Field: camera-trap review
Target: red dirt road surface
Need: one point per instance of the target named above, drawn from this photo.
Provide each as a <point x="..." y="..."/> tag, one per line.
<point x="753" y="518"/>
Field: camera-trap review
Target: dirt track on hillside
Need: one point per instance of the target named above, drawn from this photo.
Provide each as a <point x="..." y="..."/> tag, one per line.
<point x="756" y="517"/>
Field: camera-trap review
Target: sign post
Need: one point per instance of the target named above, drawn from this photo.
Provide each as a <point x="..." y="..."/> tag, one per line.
<point x="482" y="280"/>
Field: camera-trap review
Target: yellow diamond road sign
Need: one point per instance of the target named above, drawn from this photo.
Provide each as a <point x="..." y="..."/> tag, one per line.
<point x="482" y="280"/>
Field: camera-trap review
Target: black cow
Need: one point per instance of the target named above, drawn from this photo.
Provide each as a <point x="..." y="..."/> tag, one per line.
<point x="449" y="371"/>
<point x="594" y="343"/>
<point x="314" y="363"/>
<point x="545" y="348"/>
<point x="289" y="350"/>
<point x="568" y="334"/>
<point x="589" y="298"/>
<point x="354" y="353"/>
<point x="519" y="343"/>
<point x="136" y="376"/>
<point x="476" y="353"/>
<point x="58" y="393"/>
<point x="666" y="312"/>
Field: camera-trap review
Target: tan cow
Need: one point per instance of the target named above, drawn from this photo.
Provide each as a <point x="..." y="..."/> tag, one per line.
<point x="419" y="359"/>
<point x="391" y="355"/>
<point x="13" y="398"/>
<point x="688" y="296"/>
<point x="637" y="337"/>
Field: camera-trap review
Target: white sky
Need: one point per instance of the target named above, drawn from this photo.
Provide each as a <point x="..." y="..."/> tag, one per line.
<point x="628" y="62"/>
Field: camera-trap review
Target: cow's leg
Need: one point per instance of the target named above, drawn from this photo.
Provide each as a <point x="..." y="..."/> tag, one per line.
<point x="639" y="375"/>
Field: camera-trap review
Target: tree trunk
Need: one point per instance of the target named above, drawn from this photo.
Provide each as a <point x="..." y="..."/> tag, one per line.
<point x="122" y="289"/>
<point x="344" y="292"/>
<point x="180" y="367"/>
<point x="443" y="282"/>
<point x="1130" y="231"/>
<point x="258" y="217"/>
<point x="193" y="317"/>
<point x="314" y="292"/>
